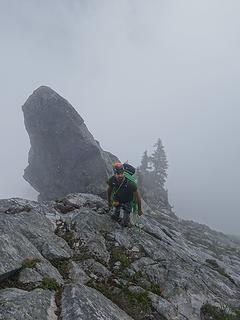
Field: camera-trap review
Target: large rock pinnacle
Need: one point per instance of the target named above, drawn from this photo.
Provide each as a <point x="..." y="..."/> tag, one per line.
<point x="64" y="157"/>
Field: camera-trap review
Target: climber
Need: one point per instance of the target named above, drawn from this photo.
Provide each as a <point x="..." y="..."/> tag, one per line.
<point x="122" y="193"/>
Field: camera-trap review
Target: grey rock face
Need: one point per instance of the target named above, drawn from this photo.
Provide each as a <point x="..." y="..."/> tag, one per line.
<point x="46" y="269"/>
<point x="96" y="268"/>
<point x="169" y="268"/>
<point x="89" y="228"/>
<point x="64" y="157"/>
<point x="43" y="269"/>
<point x="77" y="274"/>
<point x="29" y="276"/>
<point x="82" y="303"/>
<point x="28" y="234"/>
<point x="14" y="249"/>
<point x="165" y="308"/>
<point x="16" y="304"/>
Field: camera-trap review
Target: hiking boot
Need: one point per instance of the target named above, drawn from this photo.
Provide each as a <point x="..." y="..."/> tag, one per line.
<point x="125" y="224"/>
<point x="116" y="218"/>
<point x="126" y="220"/>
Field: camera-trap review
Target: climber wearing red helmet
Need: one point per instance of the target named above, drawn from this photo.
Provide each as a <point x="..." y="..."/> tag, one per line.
<point x="121" y="192"/>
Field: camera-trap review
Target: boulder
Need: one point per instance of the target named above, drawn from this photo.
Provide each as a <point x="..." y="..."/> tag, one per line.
<point x="82" y="303"/>
<point x="77" y="274"/>
<point x="64" y="156"/>
<point x="27" y="233"/>
<point x="16" y="304"/>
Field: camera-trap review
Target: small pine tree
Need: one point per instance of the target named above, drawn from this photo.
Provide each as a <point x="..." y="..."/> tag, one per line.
<point x="152" y="175"/>
<point x="142" y="172"/>
<point x="159" y="164"/>
<point x="144" y="167"/>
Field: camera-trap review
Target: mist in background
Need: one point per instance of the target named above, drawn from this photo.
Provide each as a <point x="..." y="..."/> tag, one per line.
<point x="135" y="71"/>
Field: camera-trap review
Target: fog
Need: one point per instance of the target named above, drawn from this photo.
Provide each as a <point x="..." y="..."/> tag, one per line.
<point x="135" y="70"/>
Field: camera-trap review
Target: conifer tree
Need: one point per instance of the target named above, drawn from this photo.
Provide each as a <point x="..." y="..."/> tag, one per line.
<point x="143" y="174"/>
<point x="159" y="164"/>
<point x="152" y="175"/>
<point x="144" y="167"/>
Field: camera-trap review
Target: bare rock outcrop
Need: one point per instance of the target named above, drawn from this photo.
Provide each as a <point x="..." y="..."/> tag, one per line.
<point x="81" y="302"/>
<point x="17" y="304"/>
<point x="161" y="268"/>
<point x="64" y="156"/>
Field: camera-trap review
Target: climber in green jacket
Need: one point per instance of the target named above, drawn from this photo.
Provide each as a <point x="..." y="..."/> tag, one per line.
<point x="123" y="193"/>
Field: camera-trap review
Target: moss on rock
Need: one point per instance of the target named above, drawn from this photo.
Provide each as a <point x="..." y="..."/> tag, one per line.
<point x="30" y="263"/>
<point x="209" y="311"/>
<point x="50" y="284"/>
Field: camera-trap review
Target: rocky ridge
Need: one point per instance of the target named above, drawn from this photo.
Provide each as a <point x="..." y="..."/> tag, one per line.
<point x="80" y="264"/>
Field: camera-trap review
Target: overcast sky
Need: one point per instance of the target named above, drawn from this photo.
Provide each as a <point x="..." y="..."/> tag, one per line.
<point x="135" y="70"/>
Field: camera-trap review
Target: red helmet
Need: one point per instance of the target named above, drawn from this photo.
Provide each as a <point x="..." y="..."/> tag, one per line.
<point x="118" y="167"/>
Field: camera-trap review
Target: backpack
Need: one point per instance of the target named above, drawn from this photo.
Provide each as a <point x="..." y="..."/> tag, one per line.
<point x="129" y="169"/>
